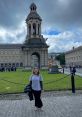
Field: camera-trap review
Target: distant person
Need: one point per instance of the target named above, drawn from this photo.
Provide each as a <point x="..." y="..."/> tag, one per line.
<point x="63" y="69"/>
<point x="70" y="69"/>
<point x="36" y="82"/>
<point x="74" y="70"/>
<point x="15" y="68"/>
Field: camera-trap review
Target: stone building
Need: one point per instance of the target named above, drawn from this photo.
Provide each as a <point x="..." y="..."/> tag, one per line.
<point x="33" y="52"/>
<point x="74" y="57"/>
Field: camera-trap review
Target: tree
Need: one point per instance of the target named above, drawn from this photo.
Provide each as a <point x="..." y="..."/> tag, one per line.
<point x="61" y="58"/>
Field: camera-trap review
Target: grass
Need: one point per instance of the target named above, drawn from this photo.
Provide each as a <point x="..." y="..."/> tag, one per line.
<point x="23" y="77"/>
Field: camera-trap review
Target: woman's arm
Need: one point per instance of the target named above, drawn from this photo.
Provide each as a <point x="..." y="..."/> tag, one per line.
<point x="30" y="80"/>
<point x="30" y="83"/>
<point x="41" y="84"/>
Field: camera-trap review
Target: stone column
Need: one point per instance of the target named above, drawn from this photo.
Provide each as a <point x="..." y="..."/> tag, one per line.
<point x="25" y="59"/>
<point x="28" y="29"/>
<point x="31" y="28"/>
<point x="42" y="58"/>
<point x="37" y="29"/>
<point x="29" y="59"/>
<point x="46" y="58"/>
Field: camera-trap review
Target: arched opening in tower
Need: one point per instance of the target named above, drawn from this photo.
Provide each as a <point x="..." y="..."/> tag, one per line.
<point x="35" y="60"/>
<point x="29" y="29"/>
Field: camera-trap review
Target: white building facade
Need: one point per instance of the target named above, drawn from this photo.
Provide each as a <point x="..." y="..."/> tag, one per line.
<point x="11" y="55"/>
<point x="74" y="57"/>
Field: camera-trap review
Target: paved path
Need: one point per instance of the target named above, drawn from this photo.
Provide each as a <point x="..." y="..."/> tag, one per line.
<point x="55" y="105"/>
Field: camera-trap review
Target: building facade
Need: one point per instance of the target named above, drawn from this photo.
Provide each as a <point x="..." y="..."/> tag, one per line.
<point x="74" y="57"/>
<point x="33" y="52"/>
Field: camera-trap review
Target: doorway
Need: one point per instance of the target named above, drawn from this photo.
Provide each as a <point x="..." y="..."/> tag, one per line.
<point x="35" y="60"/>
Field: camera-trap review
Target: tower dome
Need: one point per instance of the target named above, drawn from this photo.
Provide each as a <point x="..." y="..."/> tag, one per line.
<point x="33" y="7"/>
<point x="33" y="13"/>
<point x="33" y="22"/>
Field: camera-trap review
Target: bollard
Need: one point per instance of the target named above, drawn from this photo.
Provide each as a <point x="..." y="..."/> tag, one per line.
<point x="73" y="83"/>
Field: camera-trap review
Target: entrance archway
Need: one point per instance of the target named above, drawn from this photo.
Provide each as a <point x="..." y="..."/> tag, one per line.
<point x="35" y="60"/>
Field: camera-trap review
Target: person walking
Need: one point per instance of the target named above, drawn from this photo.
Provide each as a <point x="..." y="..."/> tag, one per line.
<point x="36" y="82"/>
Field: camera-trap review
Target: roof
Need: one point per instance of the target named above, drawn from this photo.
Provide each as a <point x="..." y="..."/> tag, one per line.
<point x="10" y="46"/>
<point x="73" y="50"/>
<point x="33" y="15"/>
<point x="30" y="43"/>
<point x="38" y="43"/>
<point x="33" y="5"/>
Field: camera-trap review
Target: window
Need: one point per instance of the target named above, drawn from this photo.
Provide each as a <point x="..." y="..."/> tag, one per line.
<point x="13" y="64"/>
<point x="17" y="64"/>
<point x="2" y="64"/>
<point x="21" y="64"/>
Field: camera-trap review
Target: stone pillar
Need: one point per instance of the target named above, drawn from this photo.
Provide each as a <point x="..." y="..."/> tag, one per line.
<point x="28" y="29"/>
<point x="46" y="58"/>
<point x="25" y="60"/>
<point x="37" y="29"/>
<point x="29" y="59"/>
<point x="42" y="58"/>
<point x="31" y="29"/>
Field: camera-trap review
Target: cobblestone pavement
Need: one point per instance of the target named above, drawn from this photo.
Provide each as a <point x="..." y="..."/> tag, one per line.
<point x="55" y="105"/>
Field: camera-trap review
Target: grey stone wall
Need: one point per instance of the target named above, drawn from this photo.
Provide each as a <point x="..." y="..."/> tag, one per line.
<point x="43" y="57"/>
<point x="74" y="57"/>
<point x="11" y="56"/>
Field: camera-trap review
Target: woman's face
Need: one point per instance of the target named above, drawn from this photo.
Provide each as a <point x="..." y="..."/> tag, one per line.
<point x="36" y="71"/>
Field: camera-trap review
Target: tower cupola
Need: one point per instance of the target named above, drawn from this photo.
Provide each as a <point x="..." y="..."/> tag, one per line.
<point x="33" y="22"/>
<point x="33" y="7"/>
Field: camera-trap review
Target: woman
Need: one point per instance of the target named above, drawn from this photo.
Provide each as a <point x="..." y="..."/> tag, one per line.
<point x="37" y="86"/>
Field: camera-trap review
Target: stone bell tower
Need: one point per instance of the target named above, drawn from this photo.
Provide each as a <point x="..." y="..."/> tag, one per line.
<point x="35" y="48"/>
<point x="33" y="22"/>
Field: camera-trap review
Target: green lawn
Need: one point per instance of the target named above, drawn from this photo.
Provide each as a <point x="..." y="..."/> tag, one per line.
<point x="23" y="77"/>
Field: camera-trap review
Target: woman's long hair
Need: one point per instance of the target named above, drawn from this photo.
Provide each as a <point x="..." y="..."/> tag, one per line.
<point x="37" y="72"/>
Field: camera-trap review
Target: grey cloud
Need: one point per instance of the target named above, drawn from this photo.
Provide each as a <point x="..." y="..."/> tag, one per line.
<point x="12" y="12"/>
<point x="60" y="13"/>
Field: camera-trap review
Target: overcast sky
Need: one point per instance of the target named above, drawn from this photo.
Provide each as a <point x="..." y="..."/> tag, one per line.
<point x="62" y="22"/>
